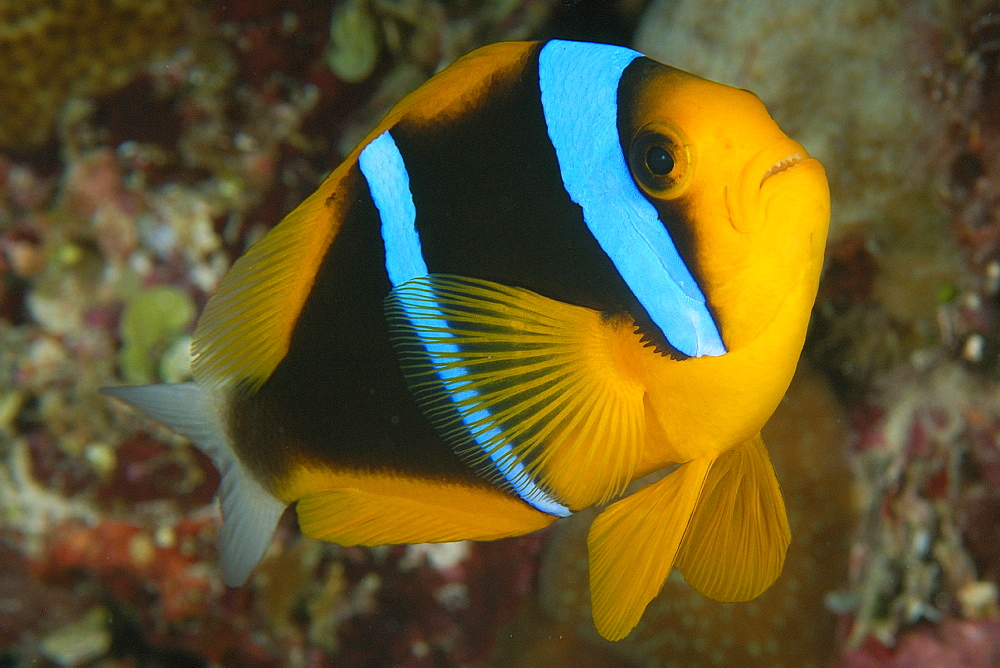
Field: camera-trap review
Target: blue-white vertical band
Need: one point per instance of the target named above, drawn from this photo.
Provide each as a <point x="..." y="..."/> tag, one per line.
<point x="579" y="84"/>
<point x="383" y="167"/>
<point x="389" y="185"/>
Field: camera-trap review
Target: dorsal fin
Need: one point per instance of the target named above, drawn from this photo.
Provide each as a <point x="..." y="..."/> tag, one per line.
<point x="247" y="325"/>
<point x="459" y="84"/>
<point x="245" y="329"/>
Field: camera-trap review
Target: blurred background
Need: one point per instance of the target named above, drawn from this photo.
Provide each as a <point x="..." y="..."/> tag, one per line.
<point x="144" y="144"/>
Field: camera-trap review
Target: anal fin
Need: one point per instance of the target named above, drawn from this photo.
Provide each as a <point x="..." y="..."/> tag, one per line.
<point x="384" y="510"/>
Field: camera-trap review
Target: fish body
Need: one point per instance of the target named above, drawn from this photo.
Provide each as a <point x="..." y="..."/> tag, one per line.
<point x="553" y="269"/>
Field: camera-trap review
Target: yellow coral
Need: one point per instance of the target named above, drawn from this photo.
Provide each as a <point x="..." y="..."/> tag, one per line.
<point x="51" y="50"/>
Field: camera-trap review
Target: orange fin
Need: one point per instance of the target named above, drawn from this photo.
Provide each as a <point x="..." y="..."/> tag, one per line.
<point x="246" y="327"/>
<point x="460" y="85"/>
<point x="735" y="545"/>
<point x="633" y="543"/>
<point x="524" y="388"/>
<point x="395" y="511"/>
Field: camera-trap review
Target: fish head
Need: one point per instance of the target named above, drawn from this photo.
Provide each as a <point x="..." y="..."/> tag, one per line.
<point x="747" y="207"/>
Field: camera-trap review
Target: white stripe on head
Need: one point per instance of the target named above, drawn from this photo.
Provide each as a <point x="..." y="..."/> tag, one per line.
<point x="579" y="84"/>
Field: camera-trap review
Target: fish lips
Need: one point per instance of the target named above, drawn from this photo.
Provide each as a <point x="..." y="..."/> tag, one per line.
<point x="763" y="174"/>
<point x="781" y="205"/>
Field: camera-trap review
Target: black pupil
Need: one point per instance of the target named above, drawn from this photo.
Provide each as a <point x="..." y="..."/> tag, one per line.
<point x="659" y="161"/>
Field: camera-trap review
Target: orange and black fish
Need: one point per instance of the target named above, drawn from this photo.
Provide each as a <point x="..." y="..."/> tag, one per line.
<point x="553" y="269"/>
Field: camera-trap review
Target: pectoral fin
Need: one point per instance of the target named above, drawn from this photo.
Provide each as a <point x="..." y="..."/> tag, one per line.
<point x="524" y="388"/>
<point x="735" y="545"/>
<point x="633" y="543"/>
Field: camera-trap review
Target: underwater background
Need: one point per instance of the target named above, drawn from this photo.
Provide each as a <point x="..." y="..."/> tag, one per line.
<point x="145" y="143"/>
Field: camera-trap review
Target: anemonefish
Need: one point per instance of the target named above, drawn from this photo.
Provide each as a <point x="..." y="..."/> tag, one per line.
<point x="553" y="269"/>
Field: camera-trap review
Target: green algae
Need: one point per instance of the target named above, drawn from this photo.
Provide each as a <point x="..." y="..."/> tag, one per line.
<point x="153" y="321"/>
<point x="354" y="44"/>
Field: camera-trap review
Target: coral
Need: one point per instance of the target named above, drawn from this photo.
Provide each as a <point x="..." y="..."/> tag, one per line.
<point x="51" y="51"/>
<point x="845" y="308"/>
<point x="424" y="606"/>
<point x="926" y="464"/>
<point x="162" y="182"/>
<point x="81" y="641"/>
<point x="30" y="609"/>
<point x="967" y="86"/>
<point x="353" y="50"/>
<point x="788" y="624"/>
<point x="927" y="442"/>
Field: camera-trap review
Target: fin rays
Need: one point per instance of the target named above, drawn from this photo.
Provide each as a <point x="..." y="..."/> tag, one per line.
<point x="510" y="378"/>
<point x="384" y="511"/>
<point x="739" y="533"/>
<point x="720" y="520"/>
<point x="249" y="512"/>
<point x="246" y="327"/>
<point x="633" y="544"/>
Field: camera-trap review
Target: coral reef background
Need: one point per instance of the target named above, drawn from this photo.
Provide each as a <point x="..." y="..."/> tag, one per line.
<point x="145" y="143"/>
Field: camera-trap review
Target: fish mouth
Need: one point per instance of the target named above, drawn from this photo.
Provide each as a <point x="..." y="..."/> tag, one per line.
<point x="774" y="160"/>
<point x="784" y="165"/>
<point x="779" y="207"/>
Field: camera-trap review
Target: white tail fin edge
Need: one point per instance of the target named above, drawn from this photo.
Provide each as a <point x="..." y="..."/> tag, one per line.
<point x="249" y="512"/>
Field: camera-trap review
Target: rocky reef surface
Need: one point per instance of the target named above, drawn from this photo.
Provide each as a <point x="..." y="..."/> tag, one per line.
<point x="133" y="173"/>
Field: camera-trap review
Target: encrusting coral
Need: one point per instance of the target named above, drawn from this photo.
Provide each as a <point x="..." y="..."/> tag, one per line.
<point x="51" y="50"/>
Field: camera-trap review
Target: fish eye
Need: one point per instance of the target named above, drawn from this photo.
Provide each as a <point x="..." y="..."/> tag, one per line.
<point x="660" y="161"/>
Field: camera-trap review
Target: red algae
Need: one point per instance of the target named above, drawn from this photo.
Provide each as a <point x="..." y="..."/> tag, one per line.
<point x="969" y="88"/>
<point x="146" y="469"/>
<point x="971" y="644"/>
